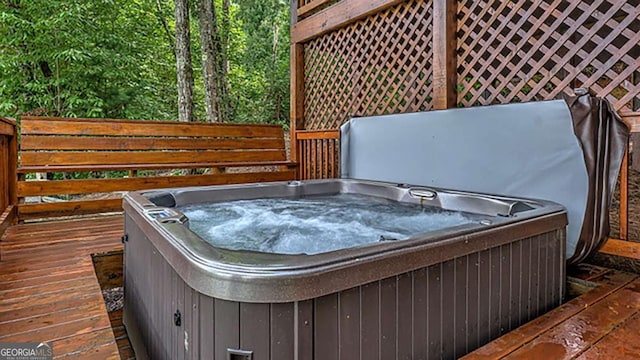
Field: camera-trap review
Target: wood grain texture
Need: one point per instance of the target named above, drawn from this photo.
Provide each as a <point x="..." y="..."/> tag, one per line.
<point x="52" y="158"/>
<point x="336" y="16"/>
<point x="110" y="127"/>
<point x="318" y="134"/>
<point x="622" y="248"/>
<point x="580" y="332"/>
<point x="311" y="6"/>
<point x="632" y="119"/>
<point x="444" y="54"/>
<point x="44" y="142"/>
<point x="68" y="208"/>
<point x="66" y="145"/>
<point x="38" y="188"/>
<point x="57" y="298"/>
<point x="134" y="167"/>
<point x="557" y="334"/>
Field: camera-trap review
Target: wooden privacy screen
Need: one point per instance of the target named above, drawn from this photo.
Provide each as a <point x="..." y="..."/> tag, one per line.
<point x="525" y="51"/>
<point x="361" y="58"/>
<point x="377" y="65"/>
<point x="65" y="147"/>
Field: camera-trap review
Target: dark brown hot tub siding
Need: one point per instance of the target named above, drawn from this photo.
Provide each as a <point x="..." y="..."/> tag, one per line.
<point x="441" y="311"/>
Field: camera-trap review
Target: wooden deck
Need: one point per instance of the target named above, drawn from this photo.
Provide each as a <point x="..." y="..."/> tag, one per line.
<point x="49" y="290"/>
<point x="602" y="323"/>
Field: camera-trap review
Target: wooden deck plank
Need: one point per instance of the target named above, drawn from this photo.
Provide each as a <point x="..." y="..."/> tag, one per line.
<point x="80" y="249"/>
<point x="62" y="234"/>
<point x="13" y="270"/>
<point x="9" y="295"/>
<point x="75" y="224"/>
<point x="49" y="290"/>
<point x="623" y="342"/>
<point x="56" y="303"/>
<point x="103" y="352"/>
<point x="49" y="319"/>
<point x="62" y="330"/>
<point x="609" y="283"/>
<point x="579" y="332"/>
<point x="52" y="276"/>
<point x="81" y="344"/>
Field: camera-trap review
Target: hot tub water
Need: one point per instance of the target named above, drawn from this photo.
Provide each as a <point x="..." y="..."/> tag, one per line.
<point x="331" y="222"/>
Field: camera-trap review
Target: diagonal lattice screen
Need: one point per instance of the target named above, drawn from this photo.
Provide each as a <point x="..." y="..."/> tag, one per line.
<point x="511" y="51"/>
<point x="378" y="65"/>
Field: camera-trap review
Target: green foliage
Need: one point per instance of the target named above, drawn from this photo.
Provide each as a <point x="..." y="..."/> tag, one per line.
<point x="84" y="58"/>
<point x="114" y="59"/>
<point x="259" y="61"/>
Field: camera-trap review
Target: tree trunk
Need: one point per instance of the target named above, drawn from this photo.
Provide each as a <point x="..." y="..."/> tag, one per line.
<point x="184" y="69"/>
<point x="224" y="83"/>
<point x="211" y="59"/>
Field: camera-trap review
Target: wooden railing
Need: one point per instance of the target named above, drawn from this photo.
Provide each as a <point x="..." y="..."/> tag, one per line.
<point x="73" y="159"/>
<point x="319" y="151"/>
<point x="8" y="165"/>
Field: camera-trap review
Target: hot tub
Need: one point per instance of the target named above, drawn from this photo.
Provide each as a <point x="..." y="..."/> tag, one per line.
<point x="400" y="290"/>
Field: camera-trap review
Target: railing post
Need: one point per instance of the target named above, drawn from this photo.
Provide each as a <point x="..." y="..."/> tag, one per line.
<point x="444" y="54"/>
<point x="297" y="91"/>
<point x="8" y="169"/>
<point x="13" y="168"/>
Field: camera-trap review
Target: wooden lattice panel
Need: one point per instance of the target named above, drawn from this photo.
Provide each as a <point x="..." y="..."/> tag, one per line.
<point x="510" y="51"/>
<point x="378" y="65"/>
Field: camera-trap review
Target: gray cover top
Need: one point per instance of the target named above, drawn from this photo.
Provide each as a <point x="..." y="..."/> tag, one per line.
<point x="524" y="150"/>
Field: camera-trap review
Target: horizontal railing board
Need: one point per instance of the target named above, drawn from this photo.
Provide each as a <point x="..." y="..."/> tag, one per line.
<point x="632" y="119"/>
<point x="68" y="187"/>
<point x="311" y="6"/>
<point x="336" y="16"/>
<point x="93" y="167"/>
<point x="87" y="145"/>
<point x="155" y="157"/>
<point x="43" y="142"/>
<point x="83" y="207"/>
<point x="140" y="121"/>
<point x="46" y="126"/>
<point x="317" y="134"/>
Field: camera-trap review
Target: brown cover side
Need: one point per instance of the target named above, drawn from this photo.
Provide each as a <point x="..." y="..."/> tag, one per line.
<point x="603" y="137"/>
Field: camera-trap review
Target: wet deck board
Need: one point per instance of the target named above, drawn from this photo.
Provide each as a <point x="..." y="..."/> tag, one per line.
<point x="593" y="325"/>
<point x="49" y="290"/>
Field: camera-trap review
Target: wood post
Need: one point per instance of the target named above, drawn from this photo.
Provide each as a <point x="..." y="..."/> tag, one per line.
<point x="444" y="54"/>
<point x="297" y="90"/>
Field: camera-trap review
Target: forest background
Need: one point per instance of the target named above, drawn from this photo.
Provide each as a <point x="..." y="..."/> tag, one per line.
<point x="129" y="58"/>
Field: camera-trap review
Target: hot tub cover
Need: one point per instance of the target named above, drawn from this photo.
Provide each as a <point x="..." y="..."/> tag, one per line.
<point x="571" y="155"/>
<point x="524" y="150"/>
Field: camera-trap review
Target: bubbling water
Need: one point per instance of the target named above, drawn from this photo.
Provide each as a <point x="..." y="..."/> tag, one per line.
<point x="313" y="225"/>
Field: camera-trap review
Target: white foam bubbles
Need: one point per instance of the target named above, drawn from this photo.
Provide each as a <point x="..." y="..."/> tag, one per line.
<point x="313" y="225"/>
